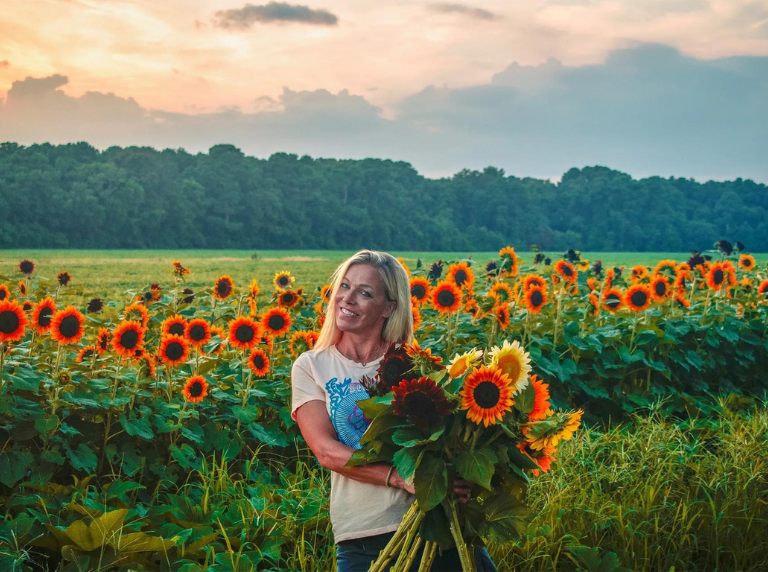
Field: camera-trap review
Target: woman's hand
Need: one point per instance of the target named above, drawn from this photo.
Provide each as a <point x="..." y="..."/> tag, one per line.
<point x="463" y="489"/>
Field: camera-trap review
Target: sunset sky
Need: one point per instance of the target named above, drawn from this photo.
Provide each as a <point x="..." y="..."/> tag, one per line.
<point x="666" y="87"/>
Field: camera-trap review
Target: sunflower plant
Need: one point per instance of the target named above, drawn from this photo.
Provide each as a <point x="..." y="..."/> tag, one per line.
<point x="483" y="418"/>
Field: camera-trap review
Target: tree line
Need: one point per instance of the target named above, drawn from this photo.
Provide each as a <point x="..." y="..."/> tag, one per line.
<point x="74" y="196"/>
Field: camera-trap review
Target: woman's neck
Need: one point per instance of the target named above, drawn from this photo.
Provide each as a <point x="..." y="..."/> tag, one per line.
<point x="361" y="350"/>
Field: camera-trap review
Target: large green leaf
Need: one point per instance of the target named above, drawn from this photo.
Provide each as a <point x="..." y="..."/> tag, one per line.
<point x="137" y="427"/>
<point x="82" y="458"/>
<point x="436" y="528"/>
<point x="525" y="399"/>
<point x="383" y="422"/>
<point x="476" y="466"/>
<point x="431" y="481"/>
<point x="406" y="461"/>
<point x="13" y="466"/>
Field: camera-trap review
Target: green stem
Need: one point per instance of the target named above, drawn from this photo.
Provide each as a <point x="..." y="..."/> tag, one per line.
<point x="428" y="556"/>
<point x="466" y="555"/>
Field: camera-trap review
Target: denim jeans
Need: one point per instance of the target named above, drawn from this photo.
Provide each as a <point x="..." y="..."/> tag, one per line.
<point x="356" y="556"/>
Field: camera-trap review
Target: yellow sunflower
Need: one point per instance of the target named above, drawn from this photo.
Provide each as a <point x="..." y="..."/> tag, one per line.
<point x="513" y="361"/>
<point x="461" y="363"/>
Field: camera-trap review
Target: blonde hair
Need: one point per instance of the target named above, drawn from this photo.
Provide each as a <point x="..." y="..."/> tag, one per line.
<point x="398" y="327"/>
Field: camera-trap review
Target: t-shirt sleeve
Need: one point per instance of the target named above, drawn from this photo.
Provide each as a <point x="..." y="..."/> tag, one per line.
<point x="304" y="388"/>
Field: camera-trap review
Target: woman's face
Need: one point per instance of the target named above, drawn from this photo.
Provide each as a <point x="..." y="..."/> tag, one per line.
<point x="361" y="304"/>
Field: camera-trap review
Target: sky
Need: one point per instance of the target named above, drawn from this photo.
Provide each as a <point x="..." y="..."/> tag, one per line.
<point x="535" y="87"/>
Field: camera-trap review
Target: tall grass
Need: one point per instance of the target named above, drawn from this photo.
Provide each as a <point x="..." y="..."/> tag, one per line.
<point x="661" y="495"/>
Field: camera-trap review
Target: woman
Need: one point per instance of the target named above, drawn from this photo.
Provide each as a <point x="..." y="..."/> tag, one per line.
<point x="369" y="309"/>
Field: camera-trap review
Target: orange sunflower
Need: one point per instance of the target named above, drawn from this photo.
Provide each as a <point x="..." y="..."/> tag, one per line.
<point x="461" y="275"/>
<point x="276" y="322"/>
<point x="486" y="395"/>
<point x="67" y="325"/>
<point x="173" y="326"/>
<point x="133" y="311"/>
<point x="85" y="353"/>
<point x="746" y="262"/>
<point x="541" y="400"/>
<point x="762" y="290"/>
<point x="509" y="263"/>
<point x="22" y="288"/>
<point x="244" y="333"/>
<point x="446" y="297"/>
<point x="718" y="276"/>
<point x="502" y="291"/>
<point x="173" y="350"/>
<point x="128" y="338"/>
<point x="42" y="314"/>
<point x="535" y="299"/>
<point x="613" y="300"/>
<point x="218" y="333"/>
<point x="195" y="389"/>
<point x="302" y="341"/>
<point x="420" y="288"/>
<point x="595" y="303"/>
<point x="533" y="281"/>
<point x="27" y="306"/>
<point x="5" y="294"/>
<point x="223" y="287"/>
<point x="288" y="298"/>
<point x="638" y="297"/>
<point x="198" y="332"/>
<point x="283" y="280"/>
<point x="13" y="321"/>
<point x="666" y="267"/>
<point x="258" y="362"/>
<point x="325" y="293"/>
<point x="638" y="273"/>
<point x="103" y="341"/>
<point x="502" y="315"/>
<point x="660" y="288"/>
<point x="566" y="270"/>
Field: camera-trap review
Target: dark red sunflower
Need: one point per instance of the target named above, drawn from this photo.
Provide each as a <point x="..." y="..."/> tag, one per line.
<point x="67" y="325"/>
<point x="446" y="297"/>
<point x="287" y="298"/>
<point x="95" y="306"/>
<point x="420" y="288"/>
<point x="195" y="389"/>
<point x="198" y="332"/>
<point x="64" y="278"/>
<point x="244" y="333"/>
<point x="42" y="314"/>
<point x="223" y="287"/>
<point x="394" y="367"/>
<point x="276" y="322"/>
<point x="258" y="362"/>
<point x="13" y="321"/>
<point x="127" y="338"/>
<point x="421" y="401"/>
<point x="173" y="350"/>
<point x="26" y="267"/>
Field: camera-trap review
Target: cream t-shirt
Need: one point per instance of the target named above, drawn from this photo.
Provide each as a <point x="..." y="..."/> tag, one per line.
<point x="357" y="509"/>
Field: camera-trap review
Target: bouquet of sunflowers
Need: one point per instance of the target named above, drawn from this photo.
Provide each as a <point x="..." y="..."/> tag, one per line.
<point x="485" y="419"/>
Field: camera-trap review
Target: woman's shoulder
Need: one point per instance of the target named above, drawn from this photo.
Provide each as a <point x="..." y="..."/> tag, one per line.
<point x="311" y="357"/>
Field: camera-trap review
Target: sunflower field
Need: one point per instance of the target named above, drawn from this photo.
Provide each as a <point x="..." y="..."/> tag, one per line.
<point x="152" y="431"/>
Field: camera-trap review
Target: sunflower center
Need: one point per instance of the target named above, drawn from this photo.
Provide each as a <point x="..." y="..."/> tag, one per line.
<point x="44" y="317"/>
<point x="718" y="276"/>
<point x="3" y="294"/>
<point x="176" y="329"/>
<point x="446" y="298"/>
<point x="197" y="333"/>
<point x="276" y="322"/>
<point x="244" y="333"/>
<point x="418" y="404"/>
<point x="174" y="351"/>
<point x="196" y="389"/>
<point x="394" y="371"/>
<point x="460" y="277"/>
<point x="487" y="394"/>
<point x="258" y="361"/>
<point x="510" y="365"/>
<point x="9" y="322"/>
<point x="537" y="298"/>
<point x="283" y="281"/>
<point x="612" y="300"/>
<point x="69" y="327"/>
<point x="418" y="291"/>
<point x="129" y="339"/>
<point x="639" y="298"/>
<point x="566" y="270"/>
<point x="660" y="288"/>
<point x="287" y="298"/>
<point x="224" y="288"/>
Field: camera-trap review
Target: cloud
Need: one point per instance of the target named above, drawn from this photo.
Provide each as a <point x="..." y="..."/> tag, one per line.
<point x="451" y="8"/>
<point x="280" y="12"/>
<point x="647" y="110"/>
<point x="5" y="64"/>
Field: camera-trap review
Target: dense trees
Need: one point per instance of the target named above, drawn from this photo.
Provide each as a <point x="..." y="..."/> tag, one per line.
<point x="76" y="196"/>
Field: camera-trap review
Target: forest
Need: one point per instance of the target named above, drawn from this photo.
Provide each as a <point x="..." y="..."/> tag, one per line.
<point x="75" y="196"/>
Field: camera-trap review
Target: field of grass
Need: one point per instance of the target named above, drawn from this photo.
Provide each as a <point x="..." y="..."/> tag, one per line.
<point x="106" y="273"/>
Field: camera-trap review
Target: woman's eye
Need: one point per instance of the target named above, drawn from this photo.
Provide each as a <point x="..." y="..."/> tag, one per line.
<point x="367" y="294"/>
<point x="345" y="286"/>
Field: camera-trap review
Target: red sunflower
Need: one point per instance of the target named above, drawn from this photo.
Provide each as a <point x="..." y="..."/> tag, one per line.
<point x="244" y="333"/>
<point x="535" y="299"/>
<point x="128" y="338"/>
<point x="67" y="325"/>
<point x="421" y="401"/>
<point x="446" y="297"/>
<point x="718" y="276"/>
<point x="420" y="288"/>
<point x="13" y="321"/>
<point x="638" y="297"/>
<point x="223" y="287"/>
<point x="173" y="350"/>
<point x="85" y="354"/>
<point x="287" y="298"/>
<point x="533" y="281"/>
<point x="198" y="332"/>
<point x="660" y="288"/>
<point x="195" y="389"/>
<point x="502" y="315"/>
<point x="42" y="314"/>
<point x="762" y="290"/>
<point x="276" y="322"/>
<point x="258" y="362"/>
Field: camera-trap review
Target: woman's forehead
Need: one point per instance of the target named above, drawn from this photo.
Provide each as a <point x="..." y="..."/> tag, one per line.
<point x="363" y="274"/>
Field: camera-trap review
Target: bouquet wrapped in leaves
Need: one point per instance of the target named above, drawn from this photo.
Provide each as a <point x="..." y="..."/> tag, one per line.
<point x="484" y="419"/>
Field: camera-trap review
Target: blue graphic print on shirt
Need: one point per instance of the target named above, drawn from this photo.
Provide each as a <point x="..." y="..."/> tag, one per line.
<point x="346" y="416"/>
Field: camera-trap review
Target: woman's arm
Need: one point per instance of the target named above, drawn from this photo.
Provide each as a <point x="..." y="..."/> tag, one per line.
<point x="321" y="436"/>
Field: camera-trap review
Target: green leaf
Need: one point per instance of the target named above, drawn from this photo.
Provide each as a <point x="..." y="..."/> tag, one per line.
<point x="137" y="427"/>
<point x="375" y="406"/>
<point x="525" y="399"/>
<point x="406" y="460"/>
<point x="82" y="458"/>
<point x="13" y="466"/>
<point x="431" y="481"/>
<point x="476" y="466"/>
<point x="505" y="518"/>
<point x="436" y="528"/>
<point x="118" y="489"/>
<point x="383" y="422"/>
<point x="411" y="436"/>
<point x="273" y="436"/>
<point x="245" y="414"/>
